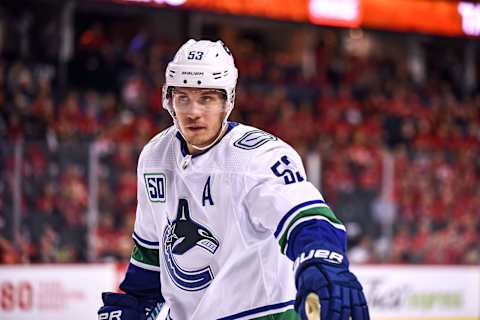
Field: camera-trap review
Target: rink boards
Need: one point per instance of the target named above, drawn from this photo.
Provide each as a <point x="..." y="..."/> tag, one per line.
<point x="58" y="292"/>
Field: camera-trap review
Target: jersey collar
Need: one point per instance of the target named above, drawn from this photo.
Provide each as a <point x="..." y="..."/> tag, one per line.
<point x="183" y="143"/>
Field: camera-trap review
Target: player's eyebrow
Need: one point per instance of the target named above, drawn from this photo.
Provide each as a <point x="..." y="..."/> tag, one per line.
<point x="210" y="91"/>
<point x="200" y="91"/>
<point x="176" y="90"/>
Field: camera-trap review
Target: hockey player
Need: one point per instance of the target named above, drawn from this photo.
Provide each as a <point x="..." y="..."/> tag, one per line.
<point x="227" y="224"/>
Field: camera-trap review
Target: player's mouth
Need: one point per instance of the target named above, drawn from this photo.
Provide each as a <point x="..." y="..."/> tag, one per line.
<point x="195" y="129"/>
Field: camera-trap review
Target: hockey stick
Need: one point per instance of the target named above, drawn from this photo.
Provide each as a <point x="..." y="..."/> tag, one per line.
<point x="312" y="307"/>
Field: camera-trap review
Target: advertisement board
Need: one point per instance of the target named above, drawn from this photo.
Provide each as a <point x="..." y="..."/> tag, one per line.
<point x="436" y="17"/>
<point x="421" y="292"/>
<point x="59" y="292"/>
<point x="53" y="292"/>
<point x="341" y="13"/>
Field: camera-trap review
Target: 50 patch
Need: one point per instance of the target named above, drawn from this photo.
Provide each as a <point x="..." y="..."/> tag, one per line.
<point x="155" y="184"/>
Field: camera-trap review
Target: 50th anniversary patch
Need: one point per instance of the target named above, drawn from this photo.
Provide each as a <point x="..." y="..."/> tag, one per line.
<point x="156" y="186"/>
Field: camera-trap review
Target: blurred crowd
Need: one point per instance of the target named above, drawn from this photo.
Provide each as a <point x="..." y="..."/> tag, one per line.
<point x="359" y="113"/>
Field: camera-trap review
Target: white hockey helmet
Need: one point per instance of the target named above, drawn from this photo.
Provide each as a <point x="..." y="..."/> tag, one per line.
<point x="201" y="64"/>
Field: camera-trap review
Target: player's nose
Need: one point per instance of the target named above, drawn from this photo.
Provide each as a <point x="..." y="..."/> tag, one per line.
<point x="195" y="110"/>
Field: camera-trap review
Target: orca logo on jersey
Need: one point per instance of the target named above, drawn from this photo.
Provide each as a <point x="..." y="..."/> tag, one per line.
<point x="180" y="236"/>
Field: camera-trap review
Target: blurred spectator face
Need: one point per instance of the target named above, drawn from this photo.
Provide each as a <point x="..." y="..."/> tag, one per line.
<point x="200" y="113"/>
<point x="134" y="92"/>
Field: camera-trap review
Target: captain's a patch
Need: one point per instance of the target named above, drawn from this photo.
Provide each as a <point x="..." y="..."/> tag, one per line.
<point x="155" y="184"/>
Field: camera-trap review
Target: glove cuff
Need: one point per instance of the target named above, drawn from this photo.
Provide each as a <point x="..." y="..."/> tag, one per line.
<point x="314" y="256"/>
<point x="120" y="300"/>
<point x="131" y="303"/>
<point x="323" y="256"/>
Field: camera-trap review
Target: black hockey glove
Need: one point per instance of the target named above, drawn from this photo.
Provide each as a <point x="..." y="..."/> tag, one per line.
<point x="121" y="306"/>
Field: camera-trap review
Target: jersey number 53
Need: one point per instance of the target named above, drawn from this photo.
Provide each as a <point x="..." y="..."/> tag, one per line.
<point x="289" y="176"/>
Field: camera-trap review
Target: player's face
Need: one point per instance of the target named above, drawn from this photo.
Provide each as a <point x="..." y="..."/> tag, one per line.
<point x="199" y="114"/>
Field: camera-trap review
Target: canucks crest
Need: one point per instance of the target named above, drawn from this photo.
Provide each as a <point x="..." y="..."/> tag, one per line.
<point x="180" y="236"/>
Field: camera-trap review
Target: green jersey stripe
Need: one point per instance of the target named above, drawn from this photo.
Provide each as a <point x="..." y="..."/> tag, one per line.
<point x="286" y="315"/>
<point x="324" y="212"/>
<point x="145" y="255"/>
<point x="144" y="266"/>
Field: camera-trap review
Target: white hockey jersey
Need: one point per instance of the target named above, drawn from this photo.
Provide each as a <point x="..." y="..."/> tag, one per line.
<point x="214" y="225"/>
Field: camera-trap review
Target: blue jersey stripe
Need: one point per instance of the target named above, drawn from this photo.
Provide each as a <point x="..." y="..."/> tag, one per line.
<point x="258" y="310"/>
<point x="292" y="211"/>
<point x="150" y="243"/>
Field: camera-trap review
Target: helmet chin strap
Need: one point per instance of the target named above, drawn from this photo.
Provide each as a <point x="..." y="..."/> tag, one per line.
<point x="219" y="133"/>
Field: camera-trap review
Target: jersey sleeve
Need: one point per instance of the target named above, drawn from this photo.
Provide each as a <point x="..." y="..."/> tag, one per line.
<point x="142" y="278"/>
<point x="145" y="236"/>
<point x="281" y="199"/>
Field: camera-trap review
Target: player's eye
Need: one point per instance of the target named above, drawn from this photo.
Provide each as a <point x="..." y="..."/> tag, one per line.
<point x="206" y="99"/>
<point x="183" y="99"/>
